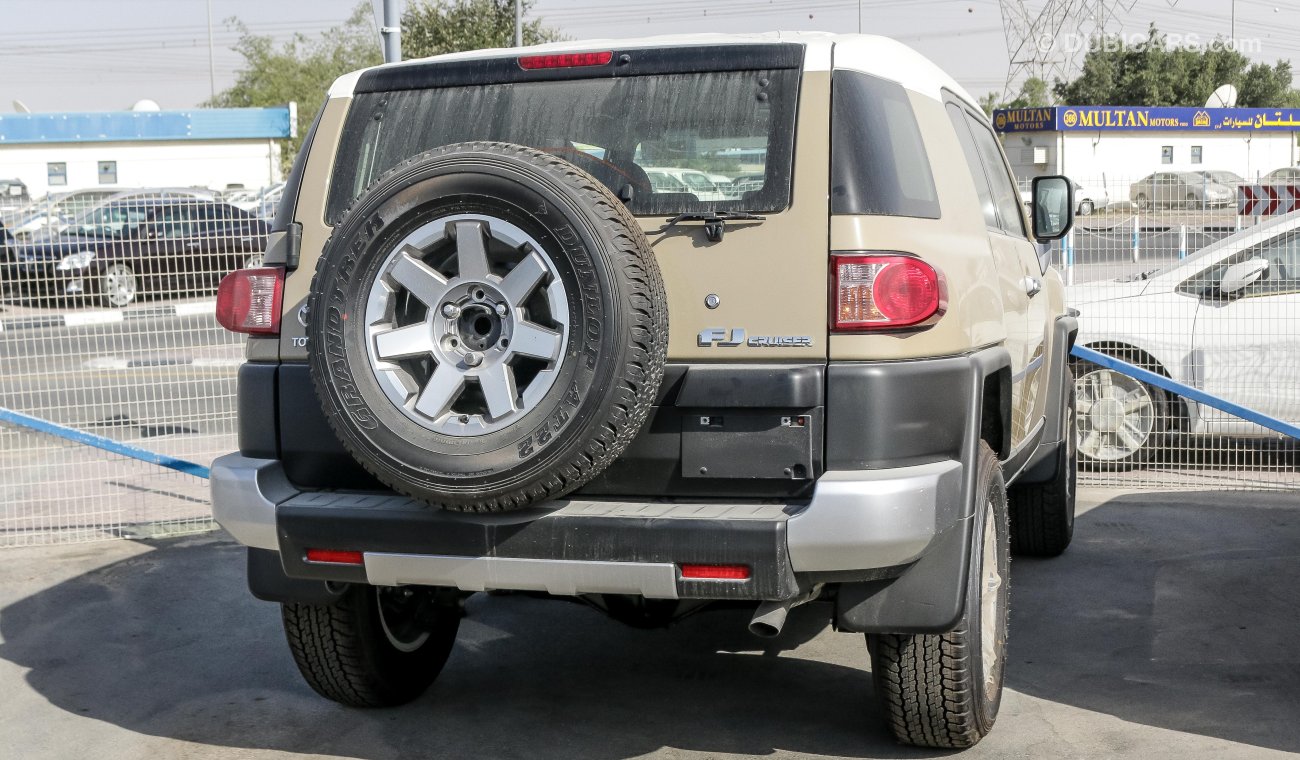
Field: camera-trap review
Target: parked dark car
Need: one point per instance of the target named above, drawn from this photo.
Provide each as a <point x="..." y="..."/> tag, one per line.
<point x="127" y="248"/>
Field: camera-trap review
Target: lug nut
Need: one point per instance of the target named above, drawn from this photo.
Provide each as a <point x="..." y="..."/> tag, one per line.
<point x="501" y="310"/>
<point x="473" y="358"/>
<point x="450" y="310"/>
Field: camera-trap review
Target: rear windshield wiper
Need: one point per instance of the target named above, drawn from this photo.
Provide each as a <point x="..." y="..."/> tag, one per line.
<point x="715" y="222"/>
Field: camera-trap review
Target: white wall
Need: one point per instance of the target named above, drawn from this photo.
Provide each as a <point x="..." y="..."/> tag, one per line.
<point x="173" y="163"/>
<point x="1125" y="157"/>
<point x="1136" y="155"/>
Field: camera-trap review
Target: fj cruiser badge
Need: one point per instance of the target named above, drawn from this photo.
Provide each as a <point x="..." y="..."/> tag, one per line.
<point x="720" y="336"/>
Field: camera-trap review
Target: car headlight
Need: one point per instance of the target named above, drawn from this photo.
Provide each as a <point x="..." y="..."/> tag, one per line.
<point x="78" y="260"/>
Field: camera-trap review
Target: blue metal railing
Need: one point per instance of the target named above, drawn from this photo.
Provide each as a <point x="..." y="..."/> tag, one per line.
<point x="100" y="442"/>
<point x="1187" y="391"/>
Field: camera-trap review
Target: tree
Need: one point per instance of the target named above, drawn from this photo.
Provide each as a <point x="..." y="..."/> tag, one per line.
<point x="1151" y="73"/>
<point x="300" y="70"/>
<point x="434" y="27"/>
<point x="1034" y="92"/>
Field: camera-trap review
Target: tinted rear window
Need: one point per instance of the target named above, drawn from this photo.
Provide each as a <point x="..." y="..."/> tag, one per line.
<point x="665" y="143"/>
<point x="878" y="160"/>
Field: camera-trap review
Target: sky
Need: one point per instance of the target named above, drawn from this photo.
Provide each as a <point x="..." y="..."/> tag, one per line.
<point x="78" y="55"/>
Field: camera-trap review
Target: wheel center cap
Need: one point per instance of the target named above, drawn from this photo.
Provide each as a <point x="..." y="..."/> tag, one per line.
<point x="1107" y="414"/>
<point x="479" y="327"/>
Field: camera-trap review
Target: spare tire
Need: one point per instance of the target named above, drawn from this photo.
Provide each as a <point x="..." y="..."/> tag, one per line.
<point x="487" y="327"/>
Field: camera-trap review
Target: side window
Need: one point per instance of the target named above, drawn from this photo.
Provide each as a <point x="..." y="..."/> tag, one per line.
<point x="1283" y="256"/>
<point x="1004" y="190"/>
<point x="176" y="222"/>
<point x="1283" y="276"/>
<point x="958" y="118"/>
<point x="878" y="159"/>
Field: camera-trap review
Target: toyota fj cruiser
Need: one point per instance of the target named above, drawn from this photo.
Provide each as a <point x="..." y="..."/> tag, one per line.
<point x="461" y="374"/>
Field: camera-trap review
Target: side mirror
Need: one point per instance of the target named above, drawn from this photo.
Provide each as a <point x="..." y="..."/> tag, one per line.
<point x="1238" y="276"/>
<point x="1053" y="209"/>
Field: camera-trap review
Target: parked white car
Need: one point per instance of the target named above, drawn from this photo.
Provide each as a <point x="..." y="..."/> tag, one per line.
<point x="1087" y="199"/>
<point x="1225" y="320"/>
<point x="694" y="181"/>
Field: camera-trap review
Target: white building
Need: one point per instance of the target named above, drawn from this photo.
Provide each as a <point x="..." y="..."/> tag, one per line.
<point x="210" y="147"/>
<point x="1113" y="146"/>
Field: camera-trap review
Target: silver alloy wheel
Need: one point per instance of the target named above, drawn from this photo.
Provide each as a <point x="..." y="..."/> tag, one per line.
<point x="467" y="323"/>
<point x="1116" y="415"/>
<point x="119" y="285"/>
<point x="254" y="261"/>
<point x="990" y="592"/>
<point x="398" y="608"/>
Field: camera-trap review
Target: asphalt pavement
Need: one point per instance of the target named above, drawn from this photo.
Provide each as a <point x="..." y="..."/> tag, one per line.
<point x="1166" y="631"/>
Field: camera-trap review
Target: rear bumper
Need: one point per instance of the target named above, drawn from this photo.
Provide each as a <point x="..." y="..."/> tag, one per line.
<point x="858" y="525"/>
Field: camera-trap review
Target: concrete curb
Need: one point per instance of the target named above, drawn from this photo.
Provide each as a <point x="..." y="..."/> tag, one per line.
<point x="106" y="317"/>
<point x="120" y="362"/>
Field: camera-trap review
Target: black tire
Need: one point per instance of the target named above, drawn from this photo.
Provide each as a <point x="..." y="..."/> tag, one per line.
<point x="1153" y="436"/>
<point x="1042" y="514"/>
<point x="937" y="689"/>
<point x="604" y="379"/>
<point x="345" y="653"/>
<point x="1142" y="202"/>
<point x="1086" y="208"/>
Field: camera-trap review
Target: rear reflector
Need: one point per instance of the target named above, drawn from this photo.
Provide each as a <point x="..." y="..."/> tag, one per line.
<point x="716" y="572"/>
<point x="565" y="60"/>
<point x="248" y="300"/>
<point x="335" y="557"/>
<point x="883" y="292"/>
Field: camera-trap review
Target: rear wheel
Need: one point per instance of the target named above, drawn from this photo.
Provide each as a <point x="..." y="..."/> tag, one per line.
<point x="377" y="647"/>
<point x="1085" y="208"/>
<point x="1143" y="202"/>
<point x="943" y="690"/>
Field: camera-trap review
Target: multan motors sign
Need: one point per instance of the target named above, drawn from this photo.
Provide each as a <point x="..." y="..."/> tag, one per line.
<point x="1135" y="118"/>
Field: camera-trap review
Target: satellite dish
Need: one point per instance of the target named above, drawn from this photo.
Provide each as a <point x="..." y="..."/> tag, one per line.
<point x="146" y="105"/>
<point x="1224" y="97"/>
<point x="21" y="107"/>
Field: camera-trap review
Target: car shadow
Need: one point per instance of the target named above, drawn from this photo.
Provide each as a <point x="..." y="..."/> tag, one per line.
<point x="1176" y="610"/>
<point x="1171" y="611"/>
<point x="170" y="644"/>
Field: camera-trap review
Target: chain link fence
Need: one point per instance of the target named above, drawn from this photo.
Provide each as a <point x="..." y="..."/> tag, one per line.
<point x="1167" y="276"/>
<point x="107" y="337"/>
<point x="108" y="334"/>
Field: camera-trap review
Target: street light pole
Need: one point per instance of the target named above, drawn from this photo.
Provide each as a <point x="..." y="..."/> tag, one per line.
<point x="519" y="23"/>
<point x="212" y="77"/>
<point x="391" y="33"/>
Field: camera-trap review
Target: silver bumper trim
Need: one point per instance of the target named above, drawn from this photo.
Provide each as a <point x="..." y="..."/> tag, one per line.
<point x="863" y="519"/>
<point x="244" y="494"/>
<point x="856" y="520"/>
<point x="554" y="576"/>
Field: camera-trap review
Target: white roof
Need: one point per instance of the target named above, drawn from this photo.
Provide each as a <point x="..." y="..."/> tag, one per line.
<point x="870" y="54"/>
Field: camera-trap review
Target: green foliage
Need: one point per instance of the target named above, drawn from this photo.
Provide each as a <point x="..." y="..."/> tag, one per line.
<point x="1033" y="94"/>
<point x="434" y="27"/>
<point x="300" y="70"/>
<point x="1154" y="74"/>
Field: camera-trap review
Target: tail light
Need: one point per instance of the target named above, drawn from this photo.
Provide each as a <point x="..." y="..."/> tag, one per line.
<point x="248" y="301"/>
<point x="716" y="572"/>
<point x="336" y="557"/>
<point x="884" y="292"/>
<point x="565" y="60"/>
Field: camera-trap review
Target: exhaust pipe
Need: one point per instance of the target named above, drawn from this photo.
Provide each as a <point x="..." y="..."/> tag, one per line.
<point x="770" y="617"/>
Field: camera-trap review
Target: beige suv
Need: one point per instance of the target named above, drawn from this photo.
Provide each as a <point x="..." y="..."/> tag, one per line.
<point x="487" y="352"/>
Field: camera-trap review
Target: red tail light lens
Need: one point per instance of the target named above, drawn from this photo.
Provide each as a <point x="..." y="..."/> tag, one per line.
<point x="884" y="292"/>
<point x="336" y="557"/>
<point x="248" y="301"/>
<point x="716" y="572"/>
<point x="565" y="60"/>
